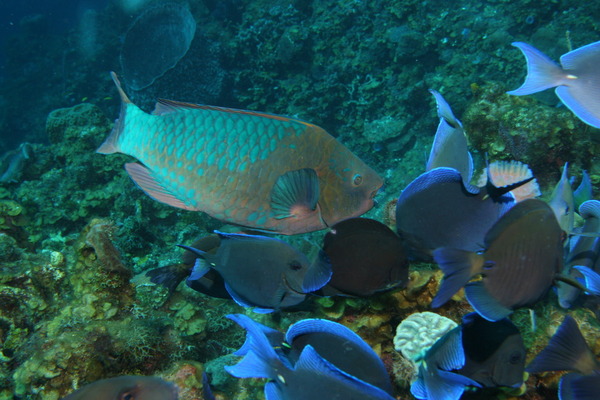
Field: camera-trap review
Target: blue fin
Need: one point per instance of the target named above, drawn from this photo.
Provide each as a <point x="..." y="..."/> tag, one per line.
<point x="443" y="385"/>
<point x="244" y="303"/>
<point x="459" y="266"/>
<point x="251" y="366"/>
<point x="272" y="392"/>
<point x="586" y="387"/>
<point x="207" y="393"/>
<point x="295" y="193"/>
<point x="274" y="337"/>
<point x="566" y="350"/>
<point x="590" y="208"/>
<point x="200" y="269"/>
<point x="565" y="387"/>
<point x="241" y="236"/>
<point x="485" y="305"/>
<point x="592" y="279"/>
<point x="448" y="351"/>
<point x="318" y="274"/>
<point x="418" y="389"/>
<point x="583" y="192"/>
<point x="542" y="72"/>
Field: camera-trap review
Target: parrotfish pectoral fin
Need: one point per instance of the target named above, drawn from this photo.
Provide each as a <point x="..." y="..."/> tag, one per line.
<point x="458" y="266"/>
<point x="542" y="72"/>
<point x="592" y="279"/>
<point x="485" y="305"/>
<point x="142" y="177"/>
<point x="318" y="274"/>
<point x="564" y="352"/>
<point x="295" y="194"/>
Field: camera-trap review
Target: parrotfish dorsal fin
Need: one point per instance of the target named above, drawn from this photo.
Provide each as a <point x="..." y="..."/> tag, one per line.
<point x="295" y="194"/>
<point x="122" y="93"/>
<point x="153" y="188"/>
<point x="164" y="106"/>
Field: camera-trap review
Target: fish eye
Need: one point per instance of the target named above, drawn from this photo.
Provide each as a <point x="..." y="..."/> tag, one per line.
<point x="127" y="396"/>
<point x="515" y="358"/>
<point x="295" y="265"/>
<point x="357" y="179"/>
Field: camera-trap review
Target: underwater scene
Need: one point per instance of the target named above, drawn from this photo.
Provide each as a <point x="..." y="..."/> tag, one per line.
<point x="299" y="199"/>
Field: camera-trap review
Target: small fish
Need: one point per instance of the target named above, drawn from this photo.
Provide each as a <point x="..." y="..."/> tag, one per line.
<point x="584" y="253"/>
<point x="210" y="284"/>
<point x="366" y="257"/>
<point x="494" y="352"/>
<point x="477" y="353"/>
<point x="311" y="375"/>
<point x="263" y="171"/>
<point x="577" y="82"/>
<point x="562" y="202"/>
<point x="332" y="341"/>
<point x="437" y="378"/>
<point x="262" y="272"/>
<point x="449" y="148"/>
<point x="438" y="210"/>
<point x="568" y="351"/>
<point x="126" y="387"/>
<point x="523" y="255"/>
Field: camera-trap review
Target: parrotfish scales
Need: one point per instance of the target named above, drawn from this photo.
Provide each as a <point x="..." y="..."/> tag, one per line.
<point x="267" y="172"/>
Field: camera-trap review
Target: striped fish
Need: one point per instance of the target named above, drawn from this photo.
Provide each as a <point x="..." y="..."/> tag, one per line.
<point x="266" y="172"/>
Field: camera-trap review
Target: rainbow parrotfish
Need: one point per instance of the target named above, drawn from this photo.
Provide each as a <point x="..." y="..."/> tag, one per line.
<point x="263" y="171"/>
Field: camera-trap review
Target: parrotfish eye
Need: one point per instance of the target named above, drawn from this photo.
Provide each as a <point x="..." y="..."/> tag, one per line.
<point x="357" y="179"/>
<point x="295" y="265"/>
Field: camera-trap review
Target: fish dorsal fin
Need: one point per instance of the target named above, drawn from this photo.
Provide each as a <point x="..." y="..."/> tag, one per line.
<point x="295" y="194"/>
<point x="144" y="178"/>
<point x="485" y="305"/>
<point x="514" y="214"/>
<point x="164" y="106"/>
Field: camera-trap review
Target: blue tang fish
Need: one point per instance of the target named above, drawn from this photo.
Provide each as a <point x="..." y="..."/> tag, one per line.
<point x="568" y="351"/>
<point x="267" y="172"/>
<point x="310" y="376"/>
<point x="262" y="272"/>
<point x="126" y="387"/>
<point x="577" y="81"/>
<point x="332" y="341"/>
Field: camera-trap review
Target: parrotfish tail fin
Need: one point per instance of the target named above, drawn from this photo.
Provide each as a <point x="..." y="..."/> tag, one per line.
<point x="584" y="387"/>
<point x="207" y="393"/>
<point x="145" y="180"/>
<point x="485" y="305"/>
<point x="110" y="144"/>
<point x="542" y="72"/>
<point x="318" y="274"/>
<point x="458" y="266"/>
<point x="310" y="361"/>
<point x="295" y="194"/>
<point x="564" y="351"/>
<point x="592" y="279"/>
<point x="261" y="360"/>
<point x="169" y="276"/>
<point x="444" y="111"/>
<point x="581" y="93"/>
<point x="274" y="337"/>
<point x="583" y="192"/>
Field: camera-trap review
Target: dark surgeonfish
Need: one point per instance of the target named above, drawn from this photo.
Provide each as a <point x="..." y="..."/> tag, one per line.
<point x="523" y="255"/>
<point x="366" y="257"/>
<point x="304" y="373"/>
<point x="126" y="387"/>
<point x="577" y="82"/>
<point x="262" y="272"/>
<point x="584" y="253"/>
<point x="332" y="341"/>
<point x="438" y="210"/>
<point x="263" y="171"/>
<point x="568" y="351"/>
<point x="211" y="284"/>
<point x="487" y="354"/>
<point x="449" y="148"/>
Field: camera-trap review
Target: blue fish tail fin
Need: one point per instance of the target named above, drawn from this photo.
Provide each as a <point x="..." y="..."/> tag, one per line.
<point x="459" y="266"/>
<point x="318" y="274"/>
<point x="261" y="360"/>
<point x="485" y="305"/>
<point x="592" y="279"/>
<point x="110" y="145"/>
<point x="542" y="72"/>
<point x="566" y="350"/>
<point x="583" y="387"/>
